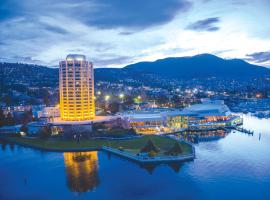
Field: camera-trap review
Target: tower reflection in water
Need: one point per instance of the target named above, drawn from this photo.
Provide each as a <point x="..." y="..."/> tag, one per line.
<point x="81" y="171"/>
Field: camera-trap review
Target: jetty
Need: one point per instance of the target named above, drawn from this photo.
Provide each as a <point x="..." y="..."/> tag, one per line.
<point x="243" y="130"/>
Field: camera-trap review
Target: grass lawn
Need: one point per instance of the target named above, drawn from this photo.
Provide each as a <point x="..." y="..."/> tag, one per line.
<point x="130" y="145"/>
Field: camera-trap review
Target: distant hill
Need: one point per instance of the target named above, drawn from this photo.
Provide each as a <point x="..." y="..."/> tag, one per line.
<point x="200" y="66"/>
<point x="27" y="74"/>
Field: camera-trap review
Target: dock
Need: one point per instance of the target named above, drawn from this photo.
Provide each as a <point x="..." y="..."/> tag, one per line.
<point x="240" y="129"/>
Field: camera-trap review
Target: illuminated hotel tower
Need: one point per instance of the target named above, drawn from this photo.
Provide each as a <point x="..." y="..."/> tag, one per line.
<point x="76" y="88"/>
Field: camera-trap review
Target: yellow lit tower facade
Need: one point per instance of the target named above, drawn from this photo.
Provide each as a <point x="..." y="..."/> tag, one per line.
<point x="76" y="87"/>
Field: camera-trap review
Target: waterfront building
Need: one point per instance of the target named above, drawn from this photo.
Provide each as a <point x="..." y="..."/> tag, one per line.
<point x="210" y="115"/>
<point x="76" y="86"/>
<point x="156" y="120"/>
<point x="206" y="115"/>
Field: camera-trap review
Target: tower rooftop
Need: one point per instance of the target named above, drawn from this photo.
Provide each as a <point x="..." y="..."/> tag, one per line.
<point x="78" y="57"/>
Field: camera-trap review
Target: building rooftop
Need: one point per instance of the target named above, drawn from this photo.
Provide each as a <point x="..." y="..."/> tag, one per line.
<point x="97" y="119"/>
<point x="152" y="114"/>
<point x="207" y="108"/>
<point x="78" y="57"/>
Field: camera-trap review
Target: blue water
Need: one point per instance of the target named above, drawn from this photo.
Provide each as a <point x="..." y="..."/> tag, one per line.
<point x="234" y="167"/>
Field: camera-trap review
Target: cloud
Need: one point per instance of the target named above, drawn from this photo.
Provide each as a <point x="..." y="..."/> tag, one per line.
<point x="137" y="14"/>
<point x="209" y="24"/>
<point x="46" y="31"/>
<point x="20" y="59"/>
<point x="55" y="29"/>
<point x="104" y="14"/>
<point x="260" y="57"/>
<point x="112" y="61"/>
<point x="126" y="33"/>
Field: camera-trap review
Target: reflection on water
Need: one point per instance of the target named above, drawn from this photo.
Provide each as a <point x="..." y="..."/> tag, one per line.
<point x="203" y="136"/>
<point x="81" y="171"/>
<point x="234" y="167"/>
<point x="175" y="166"/>
<point x="4" y="145"/>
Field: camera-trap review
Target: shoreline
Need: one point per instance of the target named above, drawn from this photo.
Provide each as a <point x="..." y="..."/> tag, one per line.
<point x="59" y="150"/>
<point x="113" y="150"/>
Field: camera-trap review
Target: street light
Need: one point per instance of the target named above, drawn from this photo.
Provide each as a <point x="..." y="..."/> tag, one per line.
<point x="107" y="97"/>
<point x="121" y="96"/>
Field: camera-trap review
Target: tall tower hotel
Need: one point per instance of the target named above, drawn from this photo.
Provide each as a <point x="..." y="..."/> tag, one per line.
<point x="76" y="88"/>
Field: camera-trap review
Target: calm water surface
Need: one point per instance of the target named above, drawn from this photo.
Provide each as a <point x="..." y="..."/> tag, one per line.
<point x="234" y="167"/>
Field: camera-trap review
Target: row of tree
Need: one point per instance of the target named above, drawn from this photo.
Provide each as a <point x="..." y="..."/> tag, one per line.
<point x="6" y="120"/>
<point x="9" y="120"/>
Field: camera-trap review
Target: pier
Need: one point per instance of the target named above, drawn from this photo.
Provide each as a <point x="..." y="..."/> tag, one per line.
<point x="240" y="129"/>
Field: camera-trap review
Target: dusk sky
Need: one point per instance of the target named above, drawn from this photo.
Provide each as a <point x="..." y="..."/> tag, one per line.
<point x="114" y="33"/>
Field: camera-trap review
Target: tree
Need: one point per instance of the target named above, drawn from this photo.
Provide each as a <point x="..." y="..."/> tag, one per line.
<point x="10" y="120"/>
<point x="24" y="128"/>
<point x="129" y="100"/>
<point x="27" y="117"/>
<point x="8" y="100"/>
<point x="45" y="132"/>
<point x="97" y="126"/>
<point x="114" y="107"/>
<point x="162" y="99"/>
<point x="46" y="99"/>
<point x="152" y="153"/>
<point x="2" y="117"/>
<point x="150" y="146"/>
<point x="175" y="150"/>
<point x="132" y="131"/>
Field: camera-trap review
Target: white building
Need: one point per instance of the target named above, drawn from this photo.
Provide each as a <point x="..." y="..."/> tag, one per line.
<point x="48" y="114"/>
<point x="206" y="115"/>
<point x="156" y="120"/>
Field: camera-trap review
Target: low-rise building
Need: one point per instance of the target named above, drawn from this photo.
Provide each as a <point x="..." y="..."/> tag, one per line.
<point x="48" y="114"/>
<point x="210" y="115"/>
<point x="155" y="120"/>
<point x="206" y="115"/>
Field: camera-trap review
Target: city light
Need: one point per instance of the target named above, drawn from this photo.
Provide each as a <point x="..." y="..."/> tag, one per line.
<point x="121" y="96"/>
<point x="258" y="95"/>
<point x="107" y="97"/>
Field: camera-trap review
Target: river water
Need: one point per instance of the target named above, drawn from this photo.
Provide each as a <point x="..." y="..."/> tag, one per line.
<point x="236" y="166"/>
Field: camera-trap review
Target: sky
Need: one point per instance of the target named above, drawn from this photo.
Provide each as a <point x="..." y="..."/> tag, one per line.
<point x="115" y="33"/>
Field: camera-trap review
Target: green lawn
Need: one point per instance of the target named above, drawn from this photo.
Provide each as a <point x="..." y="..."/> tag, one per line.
<point x="131" y="145"/>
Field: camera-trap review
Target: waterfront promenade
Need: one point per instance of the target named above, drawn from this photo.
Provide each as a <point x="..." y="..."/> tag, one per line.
<point x="128" y="147"/>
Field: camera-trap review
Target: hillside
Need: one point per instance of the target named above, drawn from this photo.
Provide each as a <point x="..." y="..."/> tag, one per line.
<point x="27" y="74"/>
<point x="200" y="66"/>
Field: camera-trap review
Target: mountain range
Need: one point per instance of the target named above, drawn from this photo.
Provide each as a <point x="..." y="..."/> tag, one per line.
<point x="200" y="66"/>
<point x="181" y="68"/>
